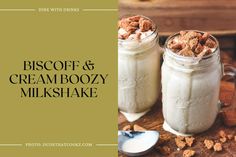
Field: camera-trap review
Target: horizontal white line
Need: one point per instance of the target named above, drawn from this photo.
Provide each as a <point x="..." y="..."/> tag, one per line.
<point x="10" y="145"/>
<point x="105" y="145"/>
<point x="100" y="9"/>
<point x="18" y="10"/>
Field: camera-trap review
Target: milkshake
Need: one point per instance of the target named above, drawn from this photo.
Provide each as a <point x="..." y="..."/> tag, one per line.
<point x="138" y="66"/>
<point x="191" y="75"/>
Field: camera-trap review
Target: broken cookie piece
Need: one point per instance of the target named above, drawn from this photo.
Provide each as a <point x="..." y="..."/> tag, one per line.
<point x="204" y="37"/>
<point x="186" y="52"/>
<point x="192" y="44"/>
<point x="138" y="128"/>
<point x="217" y="147"/>
<point x="127" y="128"/>
<point x="180" y="138"/>
<point x="210" y="43"/>
<point x="199" y="49"/>
<point x="223" y="139"/>
<point x="230" y="136"/>
<point x="208" y="144"/>
<point x="189" y="141"/>
<point x="135" y="18"/>
<point x="124" y="36"/>
<point x="222" y="133"/>
<point x="145" y="25"/>
<point x="180" y="143"/>
<point x="188" y="153"/>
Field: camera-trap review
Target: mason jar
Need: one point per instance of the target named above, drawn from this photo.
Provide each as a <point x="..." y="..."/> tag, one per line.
<point x="190" y="90"/>
<point x="138" y="73"/>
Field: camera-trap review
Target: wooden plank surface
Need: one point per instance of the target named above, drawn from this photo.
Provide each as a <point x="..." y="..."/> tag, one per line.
<point x="215" y="16"/>
<point x="183" y="4"/>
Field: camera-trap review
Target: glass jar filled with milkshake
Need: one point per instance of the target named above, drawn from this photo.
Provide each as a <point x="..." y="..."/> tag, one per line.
<point x="191" y="75"/>
<point x="138" y="66"/>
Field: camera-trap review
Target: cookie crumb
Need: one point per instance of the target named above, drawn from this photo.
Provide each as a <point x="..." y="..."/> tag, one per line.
<point x="180" y="143"/>
<point x="208" y="143"/>
<point x="230" y="136"/>
<point x="222" y="133"/>
<point x="135" y="18"/>
<point x="127" y="128"/>
<point x="217" y="147"/>
<point x="186" y="52"/>
<point x="124" y="36"/>
<point x="180" y="138"/>
<point x="210" y="43"/>
<point x="189" y="141"/>
<point x="205" y="36"/>
<point x="145" y="25"/>
<point x="199" y="49"/>
<point x="138" y="128"/>
<point x="188" y="153"/>
<point x="223" y="139"/>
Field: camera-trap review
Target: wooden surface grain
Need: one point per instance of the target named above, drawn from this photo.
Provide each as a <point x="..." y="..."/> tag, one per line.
<point x="215" y="16"/>
<point x="153" y="120"/>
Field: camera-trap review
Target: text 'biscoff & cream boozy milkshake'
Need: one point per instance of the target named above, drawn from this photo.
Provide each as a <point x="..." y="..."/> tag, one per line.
<point x="138" y="66"/>
<point x="191" y="75"/>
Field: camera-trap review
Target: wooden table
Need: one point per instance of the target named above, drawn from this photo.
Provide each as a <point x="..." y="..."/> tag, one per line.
<point x="153" y="120"/>
<point x="215" y="16"/>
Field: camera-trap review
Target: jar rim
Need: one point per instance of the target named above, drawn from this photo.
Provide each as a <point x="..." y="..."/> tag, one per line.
<point x="155" y="32"/>
<point x="189" y="58"/>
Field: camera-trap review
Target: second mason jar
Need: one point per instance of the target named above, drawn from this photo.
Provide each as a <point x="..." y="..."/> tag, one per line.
<point x="138" y="73"/>
<point x="190" y="89"/>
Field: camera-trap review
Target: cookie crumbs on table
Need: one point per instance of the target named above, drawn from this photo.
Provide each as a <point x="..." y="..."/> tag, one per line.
<point x="127" y="128"/>
<point x="138" y="128"/>
<point x="188" y="153"/>
<point x="208" y="144"/>
<point x="180" y="143"/>
<point x="223" y="139"/>
<point x="222" y="133"/>
<point x="189" y="141"/>
<point x="217" y="147"/>
<point x="230" y="136"/>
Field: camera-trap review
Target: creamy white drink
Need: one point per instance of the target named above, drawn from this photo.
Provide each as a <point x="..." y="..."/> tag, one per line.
<point x="191" y="75"/>
<point x="138" y="67"/>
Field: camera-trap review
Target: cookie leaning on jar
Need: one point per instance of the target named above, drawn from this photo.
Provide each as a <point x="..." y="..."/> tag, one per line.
<point x="191" y="75"/>
<point x="138" y="66"/>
